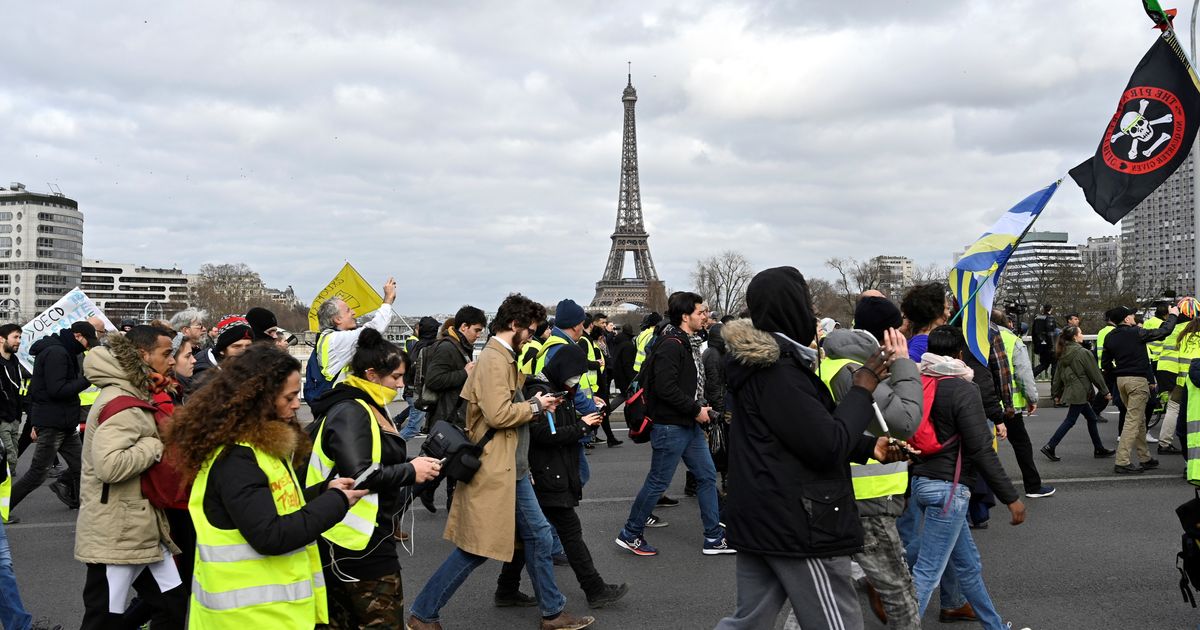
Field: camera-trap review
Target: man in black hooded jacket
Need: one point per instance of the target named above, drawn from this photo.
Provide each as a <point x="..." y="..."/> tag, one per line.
<point x="54" y="391"/>
<point x="790" y="453"/>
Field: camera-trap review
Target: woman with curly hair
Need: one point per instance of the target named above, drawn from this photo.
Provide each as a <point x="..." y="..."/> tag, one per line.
<point x="925" y="307"/>
<point x="237" y="439"/>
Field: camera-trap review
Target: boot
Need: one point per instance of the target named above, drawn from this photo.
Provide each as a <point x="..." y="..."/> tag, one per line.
<point x="964" y="613"/>
<point x="1048" y="451"/>
<point x="427" y="499"/>
<point x="566" y="621"/>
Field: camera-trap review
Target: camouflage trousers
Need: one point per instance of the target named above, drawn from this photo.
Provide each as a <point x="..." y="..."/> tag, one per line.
<point x="377" y="603"/>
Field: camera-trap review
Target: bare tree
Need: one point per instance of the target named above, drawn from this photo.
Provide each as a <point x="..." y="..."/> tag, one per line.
<point x="854" y="277"/>
<point x="228" y="288"/>
<point x="827" y="301"/>
<point x="722" y="280"/>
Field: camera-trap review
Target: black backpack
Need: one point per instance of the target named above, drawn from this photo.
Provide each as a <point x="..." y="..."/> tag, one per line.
<point x="423" y="398"/>
<point x="1187" y="561"/>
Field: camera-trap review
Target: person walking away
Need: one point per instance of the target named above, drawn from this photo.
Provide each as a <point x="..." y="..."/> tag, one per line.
<point x="791" y="447"/>
<point x="447" y="365"/>
<point x="54" y="391"/>
<point x="675" y="400"/>
<point x="1099" y="403"/>
<point x="1171" y="376"/>
<point x="257" y="563"/>
<point x="1072" y="384"/>
<point x="427" y="329"/>
<point x="497" y="417"/>
<point x="1125" y="357"/>
<point x="941" y="480"/>
<point x="1043" y="333"/>
<point x="11" y="394"/>
<point x="352" y="434"/>
<point x="1024" y="391"/>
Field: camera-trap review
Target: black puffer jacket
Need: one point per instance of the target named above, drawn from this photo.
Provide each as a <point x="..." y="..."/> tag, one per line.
<point x="57" y="380"/>
<point x="346" y="439"/>
<point x="790" y="452"/>
<point x="958" y="410"/>
<point x="554" y="457"/>
<point x="624" y="352"/>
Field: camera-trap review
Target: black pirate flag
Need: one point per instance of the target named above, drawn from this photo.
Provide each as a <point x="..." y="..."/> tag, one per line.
<point x="1148" y="137"/>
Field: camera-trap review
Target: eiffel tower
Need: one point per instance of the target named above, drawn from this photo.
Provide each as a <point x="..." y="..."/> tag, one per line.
<point x="644" y="289"/>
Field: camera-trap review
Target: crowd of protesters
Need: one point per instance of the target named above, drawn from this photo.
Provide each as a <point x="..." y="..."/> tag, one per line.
<point x="825" y="459"/>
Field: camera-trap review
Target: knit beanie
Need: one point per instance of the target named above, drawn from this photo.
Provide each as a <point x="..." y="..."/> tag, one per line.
<point x="231" y="328"/>
<point x="568" y="314"/>
<point x="875" y="315"/>
<point x="261" y="320"/>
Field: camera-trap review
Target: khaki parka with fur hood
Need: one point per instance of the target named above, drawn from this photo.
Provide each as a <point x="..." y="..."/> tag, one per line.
<point x="124" y="529"/>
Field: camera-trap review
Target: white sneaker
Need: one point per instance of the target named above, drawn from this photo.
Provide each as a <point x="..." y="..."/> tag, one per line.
<point x="1151" y="439"/>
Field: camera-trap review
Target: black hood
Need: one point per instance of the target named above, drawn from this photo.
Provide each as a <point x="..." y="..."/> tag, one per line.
<point x="427" y="328"/>
<point x="65" y="338"/>
<point x="715" y="340"/>
<point x="340" y="392"/>
<point x="779" y="302"/>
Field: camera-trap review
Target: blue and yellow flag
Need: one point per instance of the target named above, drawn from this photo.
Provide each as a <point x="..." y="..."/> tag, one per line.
<point x="976" y="276"/>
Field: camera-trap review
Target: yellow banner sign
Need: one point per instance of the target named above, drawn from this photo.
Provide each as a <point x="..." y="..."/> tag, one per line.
<point x="352" y="289"/>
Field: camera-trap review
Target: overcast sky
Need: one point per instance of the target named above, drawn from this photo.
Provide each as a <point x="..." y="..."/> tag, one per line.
<point x="473" y="148"/>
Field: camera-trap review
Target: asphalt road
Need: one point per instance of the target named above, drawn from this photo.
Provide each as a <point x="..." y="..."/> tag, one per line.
<point x="1098" y="554"/>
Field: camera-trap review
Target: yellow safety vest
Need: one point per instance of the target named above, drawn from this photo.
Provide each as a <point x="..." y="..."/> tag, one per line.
<point x="1188" y="349"/>
<point x="641" y="342"/>
<point x="1192" y="441"/>
<point x="1100" y="343"/>
<point x="234" y="586"/>
<point x="873" y="479"/>
<point x="323" y="350"/>
<point x="354" y="531"/>
<point x="1154" y="348"/>
<point x="539" y="364"/>
<point x="5" y="491"/>
<point x="1011" y="340"/>
<point x="1170" y="360"/>
<point x="526" y="366"/>
<point x="590" y="379"/>
<point x="88" y="396"/>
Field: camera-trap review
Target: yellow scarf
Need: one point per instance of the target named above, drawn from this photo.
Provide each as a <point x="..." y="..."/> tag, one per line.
<point x="378" y="393"/>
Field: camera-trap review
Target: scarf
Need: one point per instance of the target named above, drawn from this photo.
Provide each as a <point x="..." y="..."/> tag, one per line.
<point x="378" y="394"/>
<point x="937" y="365"/>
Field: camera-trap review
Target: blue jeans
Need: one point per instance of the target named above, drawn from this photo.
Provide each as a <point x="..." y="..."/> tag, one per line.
<point x="12" y="611"/>
<point x="585" y="471"/>
<point x="946" y="540"/>
<point x="909" y="527"/>
<point x="416" y="420"/>
<point x="534" y="530"/>
<point x="1072" y="415"/>
<point x="672" y="443"/>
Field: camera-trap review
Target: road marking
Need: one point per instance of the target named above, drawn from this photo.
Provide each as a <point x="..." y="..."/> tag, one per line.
<point x="39" y="525"/>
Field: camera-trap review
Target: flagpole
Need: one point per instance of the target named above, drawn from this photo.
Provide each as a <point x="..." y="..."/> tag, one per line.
<point x="1195" y="179"/>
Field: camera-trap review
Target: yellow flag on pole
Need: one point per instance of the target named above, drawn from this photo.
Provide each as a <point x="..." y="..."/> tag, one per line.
<point x="350" y="286"/>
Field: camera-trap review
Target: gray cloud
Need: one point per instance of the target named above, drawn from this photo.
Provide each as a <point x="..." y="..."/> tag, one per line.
<point x="473" y="149"/>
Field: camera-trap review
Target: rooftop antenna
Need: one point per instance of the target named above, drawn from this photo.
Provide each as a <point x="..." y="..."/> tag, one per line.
<point x="629" y="65"/>
<point x="55" y="189"/>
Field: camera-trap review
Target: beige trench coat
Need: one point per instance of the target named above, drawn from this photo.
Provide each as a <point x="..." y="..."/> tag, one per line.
<point x="483" y="516"/>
